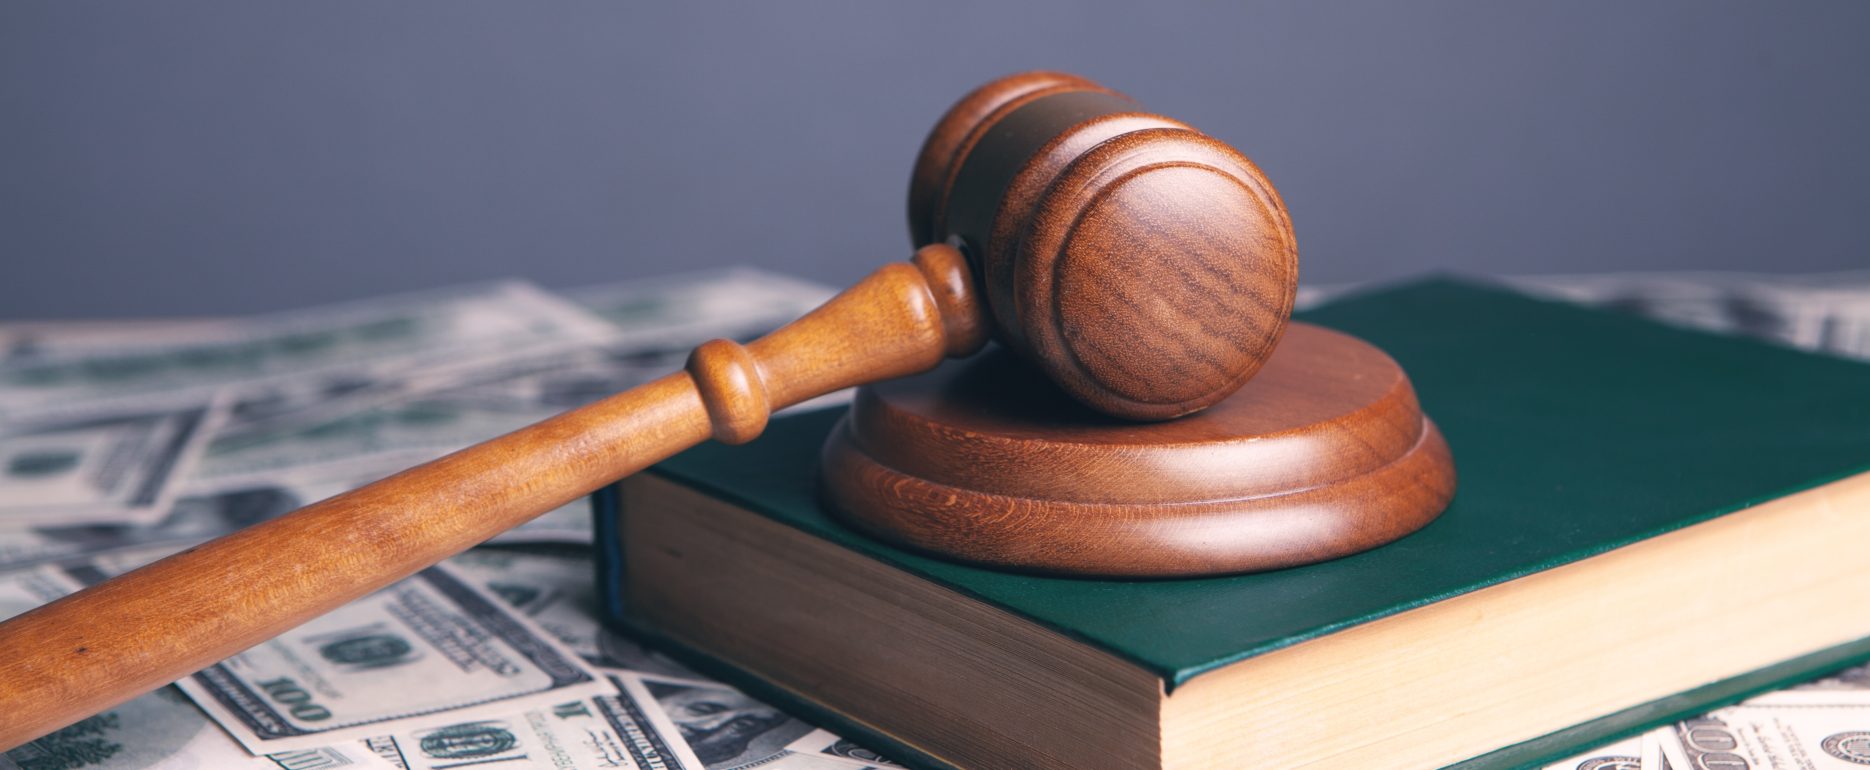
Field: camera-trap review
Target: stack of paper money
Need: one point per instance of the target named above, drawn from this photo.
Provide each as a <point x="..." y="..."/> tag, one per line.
<point x="1824" y="313"/>
<point x="121" y="443"/>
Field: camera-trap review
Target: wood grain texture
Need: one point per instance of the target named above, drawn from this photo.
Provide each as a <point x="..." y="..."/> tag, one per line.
<point x="1324" y="454"/>
<point x="102" y="646"/>
<point x="1146" y="267"/>
<point x="956" y="133"/>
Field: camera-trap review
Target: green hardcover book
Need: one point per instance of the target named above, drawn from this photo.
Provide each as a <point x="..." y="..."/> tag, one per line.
<point x="1650" y="522"/>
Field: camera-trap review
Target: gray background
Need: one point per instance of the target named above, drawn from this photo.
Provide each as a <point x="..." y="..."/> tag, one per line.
<point x="210" y="158"/>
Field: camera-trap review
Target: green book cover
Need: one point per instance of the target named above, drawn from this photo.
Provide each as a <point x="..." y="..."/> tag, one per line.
<point x="1574" y="431"/>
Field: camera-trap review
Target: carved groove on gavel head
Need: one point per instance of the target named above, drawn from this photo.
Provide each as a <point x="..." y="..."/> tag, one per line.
<point x="1145" y="267"/>
<point x="1149" y="269"/>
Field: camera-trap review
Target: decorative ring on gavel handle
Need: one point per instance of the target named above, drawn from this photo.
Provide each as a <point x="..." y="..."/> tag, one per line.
<point x="1146" y="268"/>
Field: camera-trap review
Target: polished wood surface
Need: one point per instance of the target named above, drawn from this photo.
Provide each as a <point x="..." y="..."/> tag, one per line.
<point x="102" y="646"/>
<point x="1143" y="266"/>
<point x="956" y="133"/>
<point x="1146" y="267"/>
<point x="1324" y="454"/>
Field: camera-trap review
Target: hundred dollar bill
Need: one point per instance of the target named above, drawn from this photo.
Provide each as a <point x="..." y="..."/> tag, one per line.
<point x="438" y="409"/>
<point x="569" y="523"/>
<point x="728" y="729"/>
<point x="211" y="507"/>
<point x="616" y="651"/>
<point x="24" y="589"/>
<point x="159" y="731"/>
<point x="661" y="320"/>
<point x="206" y="512"/>
<point x="311" y="352"/>
<point x="824" y="743"/>
<point x="1748" y="736"/>
<point x="680" y="311"/>
<point x="555" y="590"/>
<point x="1823" y="312"/>
<point x="193" y="518"/>
<point x="1626" y="754"/>
<point x="1653" y="756"/>
<point x="418" y="425"/>
<point x="118" y="467"/>
<point x="1850" y="687"/>
<point x="422" y="419"/>
<point x="428" y="651"/>
<point x="22" y="340"/>
<point x="1827" y="312"/>
<point x="606" y="731"/>
<point x="792" y="760"/>
<point x="558" y="593"/>
<point x="419" y="429"/>
<point x="164" y="730"/>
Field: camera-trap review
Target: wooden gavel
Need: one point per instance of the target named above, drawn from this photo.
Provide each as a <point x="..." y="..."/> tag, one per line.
<point x="1148" y="269"/>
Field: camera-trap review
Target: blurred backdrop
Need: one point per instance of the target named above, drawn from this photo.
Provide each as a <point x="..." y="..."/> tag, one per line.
<point x="187" y="158"/>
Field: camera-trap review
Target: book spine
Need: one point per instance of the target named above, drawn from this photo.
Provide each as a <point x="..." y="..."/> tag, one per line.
<point x="607" y="539"/>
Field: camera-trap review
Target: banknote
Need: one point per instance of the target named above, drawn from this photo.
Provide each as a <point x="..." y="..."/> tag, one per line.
<point x="159" y="731"/>
<point x="1626" y="754"/>
<point x="24" y="589"/>
<point x="192" y="518"/>
<point x="111" y="467"/>
<point x="429" y="414"/>
<point x="1749" y="736"/>
<point x="1827" y="313"/>
<point x="555" y="590"/>
<point x="307" y="354"/>
<point x="1849" y="687"/>
<point x="208" y="511"/>
<point x="1653" y="756"/>
<point x="22" y="340"/>
<point x="792" y="760"/>
<point x="420" y="428"/>
<point x="1823" y="313"/>
<point x="246" y="498"/>
<point x="824" y="743"/>
<point x="567" y="524"/>
<point x="728" y="729"/>
<point x="605" y="731"/>
<point x="420" y="415"/>
<point x="428" y="651"/>
<point x="680" y="311"/>
<point x="618" y="651"/>
<point x="417" y="426"/>
<point x="164" y="730"/>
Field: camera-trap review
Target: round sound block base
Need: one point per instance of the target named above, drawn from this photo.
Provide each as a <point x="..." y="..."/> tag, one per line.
<point x="1323" y="454"/>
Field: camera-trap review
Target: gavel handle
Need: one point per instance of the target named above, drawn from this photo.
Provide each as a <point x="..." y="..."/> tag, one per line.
<point x="119" y="639"/>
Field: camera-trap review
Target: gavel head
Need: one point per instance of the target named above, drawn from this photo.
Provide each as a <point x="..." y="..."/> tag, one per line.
<point x="1147" y="268"/>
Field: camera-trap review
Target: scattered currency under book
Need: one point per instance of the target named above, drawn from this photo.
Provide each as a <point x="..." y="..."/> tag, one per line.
<point x="303" y="356"/>
<point x="159" y="731"/>
<point x="120" y="443"/>
<point x="1825" y="312"/>
<point x="612" y="730"/>
<point x="306" y="421"/>
<point x="121" y="467"/>
<point x="432" y="649"/>
<point x="1622" y="755"/>
<point x="164" y="730"/>
<point x="824" y="743"/>
<point x="1833" y="737"/>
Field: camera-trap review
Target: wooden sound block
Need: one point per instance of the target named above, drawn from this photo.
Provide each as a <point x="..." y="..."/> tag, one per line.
<point x="1325" y="453"/>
